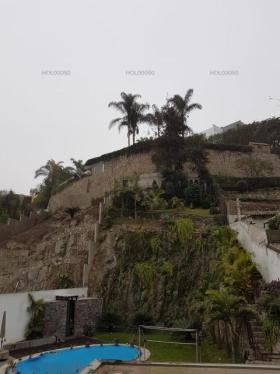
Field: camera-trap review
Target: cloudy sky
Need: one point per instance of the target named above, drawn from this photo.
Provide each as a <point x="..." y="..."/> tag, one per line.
<point x="96" y="44"/>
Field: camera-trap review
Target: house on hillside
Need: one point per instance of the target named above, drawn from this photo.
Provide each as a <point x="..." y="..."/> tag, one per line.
<point x="214" y="130"/>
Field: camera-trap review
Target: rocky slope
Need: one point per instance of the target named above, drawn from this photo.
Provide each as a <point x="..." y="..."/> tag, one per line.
<point x="34" y="259"/>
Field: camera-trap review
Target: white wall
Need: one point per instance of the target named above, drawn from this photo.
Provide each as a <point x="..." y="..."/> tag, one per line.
<point x="253" y="238"/>
<point x="15" y="305"/>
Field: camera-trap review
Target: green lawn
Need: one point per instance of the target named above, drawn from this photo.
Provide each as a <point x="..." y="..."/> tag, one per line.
<point x="168" y="352"/>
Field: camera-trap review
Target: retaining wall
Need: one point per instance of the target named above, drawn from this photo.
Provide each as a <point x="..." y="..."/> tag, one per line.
<point x="82" y="192"/>
<point x="254" y="240"/>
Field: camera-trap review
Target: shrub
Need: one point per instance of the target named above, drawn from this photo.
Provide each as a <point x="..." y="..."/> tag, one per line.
<point x="35" y="326"/>
<point x="155" y="243"/>
<point x="145" y="272"/>
<point x="64" y="281"/>
<point x="142" y="318"/>
<point x="174" y="183"/>
<point x="176" y="202"/>
<point x="167" y="268"/>
<point x="192" y="194"/>
<point x="183" y="228"/>
<point x="274" y="223"/>
<point x="110" y="321"/>
<point x="205" y="204"/>
<point x="214" y="210"/>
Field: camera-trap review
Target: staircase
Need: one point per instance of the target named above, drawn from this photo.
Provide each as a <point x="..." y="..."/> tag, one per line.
<point x="257" y="342"/>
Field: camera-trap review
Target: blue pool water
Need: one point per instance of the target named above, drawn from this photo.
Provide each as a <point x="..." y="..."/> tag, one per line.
<point x="71" y="361"/>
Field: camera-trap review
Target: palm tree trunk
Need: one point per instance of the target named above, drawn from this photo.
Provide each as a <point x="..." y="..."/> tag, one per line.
<point x="128" y="138"/>
<point x="232" y="343"/>
<point x="133" y="137"/>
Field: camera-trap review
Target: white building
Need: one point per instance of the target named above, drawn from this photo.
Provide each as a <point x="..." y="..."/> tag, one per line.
<point x="214" y="130"/>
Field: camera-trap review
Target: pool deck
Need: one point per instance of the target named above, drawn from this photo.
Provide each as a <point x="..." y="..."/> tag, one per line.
<point x="169" y="368"/>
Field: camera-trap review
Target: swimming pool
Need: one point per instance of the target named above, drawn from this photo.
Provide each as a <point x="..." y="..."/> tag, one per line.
<point x="71" y="361"/>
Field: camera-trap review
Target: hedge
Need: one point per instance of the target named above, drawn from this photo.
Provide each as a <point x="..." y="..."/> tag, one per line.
<point x="246" y="183"/>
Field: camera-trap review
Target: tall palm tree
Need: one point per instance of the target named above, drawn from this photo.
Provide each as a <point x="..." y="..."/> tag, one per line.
<point x="183" y="108"/>
<point x="156" y="119"/>
<point x="54" y="173"/>
<point x="133" y="114"/>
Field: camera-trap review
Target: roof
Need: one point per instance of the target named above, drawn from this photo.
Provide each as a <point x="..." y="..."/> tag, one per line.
<point x="233" y="125"/>
<point x="133" y="149"/>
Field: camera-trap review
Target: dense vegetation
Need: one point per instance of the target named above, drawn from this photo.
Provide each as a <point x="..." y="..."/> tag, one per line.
<point x="184" y="279"/>
<point x="267" y="131"/>
<point x="56" y="177"/>
<point x="134" y="113"/>
<point x="13" y="205"/>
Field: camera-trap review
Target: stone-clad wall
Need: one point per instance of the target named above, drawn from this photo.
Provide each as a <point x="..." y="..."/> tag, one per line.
<point x="82" y="192"/>
<point x="55" y="318"/>
<point x="224" y="162"/>
<point x="87" y="312"/>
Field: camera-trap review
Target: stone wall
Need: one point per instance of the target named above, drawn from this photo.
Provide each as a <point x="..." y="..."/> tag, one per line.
<point x="87" y="312"/>
<point x="82" y="192"/>
<point x="224" y="162"/>
<point x="55" y="318"/>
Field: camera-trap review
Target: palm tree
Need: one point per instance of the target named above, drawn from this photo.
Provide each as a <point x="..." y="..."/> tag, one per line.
<point x="133" y="114"/>
<point x="183" y="108"/>
<point x="79" y="168"/>
<point x="54" y="173"/>
<point x="224" y="306"/>
<point x="156" y="119"/>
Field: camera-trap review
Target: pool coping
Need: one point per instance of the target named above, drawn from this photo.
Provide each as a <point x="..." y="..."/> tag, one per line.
<point x="146" y="352"/>
<point x="95" y="364"/>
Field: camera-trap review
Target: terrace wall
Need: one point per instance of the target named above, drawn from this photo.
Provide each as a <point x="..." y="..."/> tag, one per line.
<point x="81" y="193"/>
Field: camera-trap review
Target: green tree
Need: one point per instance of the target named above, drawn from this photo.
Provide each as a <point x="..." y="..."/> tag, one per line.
<point x="35" y="326"/>
<point x="156" y="119"/>
<point x="79" y="168"/>
<point x="183" y="108"/>
<point x="54" y="174"/>
<point x="225" y="306"/>
<point x="133" y="113"/>
<point x="192" y="194"/>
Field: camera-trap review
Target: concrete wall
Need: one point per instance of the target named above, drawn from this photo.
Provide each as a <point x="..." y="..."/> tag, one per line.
<point x="253" y="238"/>
<point x="15" y="305"/>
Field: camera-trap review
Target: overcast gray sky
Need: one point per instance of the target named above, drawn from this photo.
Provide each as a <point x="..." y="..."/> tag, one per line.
<point x="181" y="41"/>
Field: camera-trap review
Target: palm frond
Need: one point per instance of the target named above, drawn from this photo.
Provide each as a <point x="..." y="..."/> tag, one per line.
<point x="114" y="122"/>
<point x="188" y="95"/>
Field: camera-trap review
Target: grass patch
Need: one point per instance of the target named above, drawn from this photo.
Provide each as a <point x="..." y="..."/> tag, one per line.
<point x="196" y="211"/>
<point x="199" y="212"/>
<point x="169" y="352"/>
